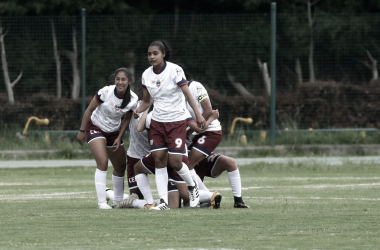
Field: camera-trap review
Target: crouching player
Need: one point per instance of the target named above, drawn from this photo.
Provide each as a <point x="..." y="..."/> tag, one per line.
<point x="214" y="165"/>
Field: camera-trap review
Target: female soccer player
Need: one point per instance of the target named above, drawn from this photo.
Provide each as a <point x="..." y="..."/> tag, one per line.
<point x="213" y="166"/>
<point x="138" y="148"/>
<point x="206" y="141"/>
<point x="103" y="129"/>
<point x="166" y="83"/>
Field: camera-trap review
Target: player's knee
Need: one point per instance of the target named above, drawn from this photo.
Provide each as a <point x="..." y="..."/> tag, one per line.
<point x="137" y="168"/>
<point x="102" y="164"/>
<point x="230" y="164"/>
<point x="176" y="163"/>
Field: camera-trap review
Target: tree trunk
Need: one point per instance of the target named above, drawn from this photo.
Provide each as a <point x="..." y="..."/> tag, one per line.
<point x="372" y="66"/>
<point x="298" y="70"/>
<point x="311" y="44"/>
<point x="176" y="20"/>
<point x="238" y="86"/>
<point x="264" y="71"/>
<point x="57" y="62"/>
<point x="73" y="58"/>
<point x="9" y="86"/>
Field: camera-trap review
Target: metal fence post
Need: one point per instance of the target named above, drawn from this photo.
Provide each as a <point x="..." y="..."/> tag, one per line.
<point x="273" y="76"/>
<point x="83" y="61"/>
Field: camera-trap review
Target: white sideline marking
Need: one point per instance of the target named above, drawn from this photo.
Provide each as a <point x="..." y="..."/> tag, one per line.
<point x="45" y="196"/>
<point x="305" y="186"/>
<point x="310" y="198"/>
<point x="239" y="161"/>
<point x="313" y="178"/>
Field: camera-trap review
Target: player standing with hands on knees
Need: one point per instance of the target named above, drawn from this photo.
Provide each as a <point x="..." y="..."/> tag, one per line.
<point x="166" y="83"/>
<point x="103" y="128"/>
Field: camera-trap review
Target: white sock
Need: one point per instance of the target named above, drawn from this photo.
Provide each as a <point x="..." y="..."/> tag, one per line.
<point x="100" y="185"/>
<point x="118" y="187"/>
<point x="205" y="195"/>
<point x="138" y="203"/>
<point x="184" y="172"/>
<point x="162" y="183"/>
<point x="201" y="185"/>
<point x="144" y="186"/>
<point x="110" y="194"/>
<point x="235" y="182"/>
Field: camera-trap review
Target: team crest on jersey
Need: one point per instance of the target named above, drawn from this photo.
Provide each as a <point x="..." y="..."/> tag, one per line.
<point x="178" y="71"/>
<point x="158" y="82"/>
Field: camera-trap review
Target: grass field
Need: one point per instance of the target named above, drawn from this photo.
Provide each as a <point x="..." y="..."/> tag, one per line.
<point x="293" y="206"/>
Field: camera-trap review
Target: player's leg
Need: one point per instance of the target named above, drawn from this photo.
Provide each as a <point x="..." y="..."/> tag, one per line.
<point x="98" y="149"/>
<point x="160" y="151"/>
<point x="132" y="184"/>
<point x="118" y="159"/>
<point x="176" y="143"/>
<point x="161" y="177"/>
<point x="111" y="194"/>
<point x="225" y="163"/>
<point x="141" y="169"/>
<point x="174" y="195"/>
<point x="195" y="157"/>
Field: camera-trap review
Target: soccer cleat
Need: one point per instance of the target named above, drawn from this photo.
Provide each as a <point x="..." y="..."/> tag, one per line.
<point x="127" y="203"/>
<point x="215" y="200"/>
<point x="240" y="205"/>
<point x="162" y="206"/>
<point x="147" y="206"/>
<point x="104" y="205"/>
<point x="206" y="204"/>
<point x="194" y="195"/>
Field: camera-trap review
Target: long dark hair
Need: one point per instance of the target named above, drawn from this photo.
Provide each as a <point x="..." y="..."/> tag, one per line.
<point x="127" y="96"/>
<point x="164" y="49"/>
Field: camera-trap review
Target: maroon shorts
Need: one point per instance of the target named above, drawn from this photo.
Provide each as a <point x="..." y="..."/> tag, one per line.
<point x="131" y="172"/>
<point x="168" y="135"/>
<point x="206" y="142"/>
<point x="205" y="167"/>
<point x="94" y="132"/>
<point x="149" y="163"/>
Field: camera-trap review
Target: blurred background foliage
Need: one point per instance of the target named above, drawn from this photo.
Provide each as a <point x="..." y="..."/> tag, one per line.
<point x="214" y="40"/>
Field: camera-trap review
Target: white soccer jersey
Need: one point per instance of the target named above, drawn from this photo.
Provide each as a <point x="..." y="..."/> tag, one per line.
<point x="148" y="120"/>
<point x="138" y="141"/>
<point x="107" y="116"/>
<point x="165" y="89"/>
<point x="199" y="93"/>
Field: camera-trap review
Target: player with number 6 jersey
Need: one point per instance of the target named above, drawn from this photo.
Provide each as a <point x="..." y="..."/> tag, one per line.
<point x="204" y="143"/>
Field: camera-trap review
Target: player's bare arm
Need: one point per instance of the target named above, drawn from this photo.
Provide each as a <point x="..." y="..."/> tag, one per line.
<point x="200" y="119"/>
<point x="194" y="127"/>
<point x="123" y="127"/>
<point x="207" y="109"/>
<point x="86" y="118"/>
<point x="141" y="123"/>
<point x="144" y="104"/>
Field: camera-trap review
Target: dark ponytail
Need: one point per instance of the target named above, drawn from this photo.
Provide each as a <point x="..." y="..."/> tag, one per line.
<point x="127" y="96"/>
<point x="164" y="49"/>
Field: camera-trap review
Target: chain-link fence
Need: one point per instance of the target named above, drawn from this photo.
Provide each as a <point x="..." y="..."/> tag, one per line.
<point x="326" y="72"/>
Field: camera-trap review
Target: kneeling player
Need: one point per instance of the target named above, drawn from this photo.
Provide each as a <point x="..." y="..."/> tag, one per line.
<point x="214" y="165"/>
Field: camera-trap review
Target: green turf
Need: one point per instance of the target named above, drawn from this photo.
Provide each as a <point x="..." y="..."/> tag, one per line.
<point x="293" y="206"/>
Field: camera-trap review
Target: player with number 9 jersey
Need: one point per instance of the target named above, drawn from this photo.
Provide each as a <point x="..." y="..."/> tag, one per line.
<point x="166" y="84"/>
